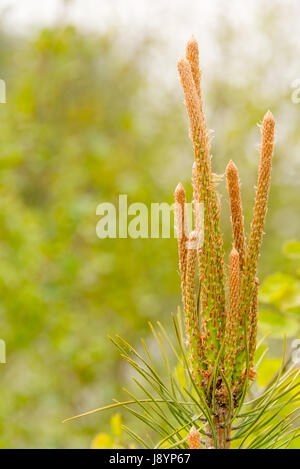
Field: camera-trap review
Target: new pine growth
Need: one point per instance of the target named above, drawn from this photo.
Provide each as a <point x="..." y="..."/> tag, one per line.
<point x="221" y="332"/>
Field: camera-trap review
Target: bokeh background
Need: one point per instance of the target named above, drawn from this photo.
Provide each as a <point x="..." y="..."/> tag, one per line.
<point x="94" y="109"/>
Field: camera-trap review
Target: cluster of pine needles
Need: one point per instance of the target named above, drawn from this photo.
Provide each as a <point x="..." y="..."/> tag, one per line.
<point x="170" y="404"/>
<point x="201" y="403"/>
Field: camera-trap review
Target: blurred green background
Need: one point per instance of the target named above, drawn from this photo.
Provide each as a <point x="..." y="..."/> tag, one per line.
<point x="87" y="119"/>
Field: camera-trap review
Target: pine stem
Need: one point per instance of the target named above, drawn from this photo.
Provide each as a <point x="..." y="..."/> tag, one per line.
<point x="223" y="432"/>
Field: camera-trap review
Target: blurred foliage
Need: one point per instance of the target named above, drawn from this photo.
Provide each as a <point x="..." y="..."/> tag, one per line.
<point x="280" y="299"/>
<point x="84" y="122"/>
<point x="76" y="131"/>
<point x="113" y="439"/>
